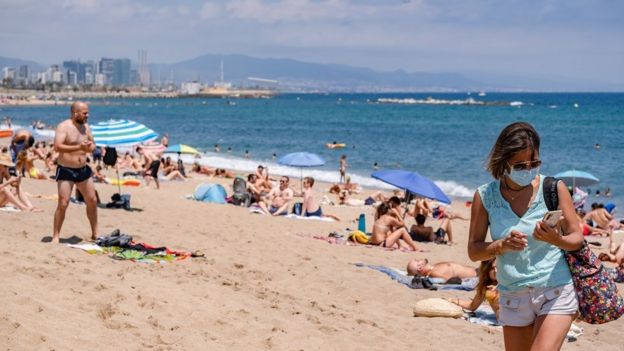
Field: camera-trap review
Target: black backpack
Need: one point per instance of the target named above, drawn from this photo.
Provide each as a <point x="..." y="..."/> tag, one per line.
<point x="110" y="156"/>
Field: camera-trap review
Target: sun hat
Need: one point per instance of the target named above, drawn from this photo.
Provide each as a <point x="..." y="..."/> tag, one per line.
<point x="5" y="160"/>
<point x="436" y="307"/>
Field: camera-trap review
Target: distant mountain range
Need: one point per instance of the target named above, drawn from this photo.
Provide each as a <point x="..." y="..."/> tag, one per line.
<point x="293" y="75"/>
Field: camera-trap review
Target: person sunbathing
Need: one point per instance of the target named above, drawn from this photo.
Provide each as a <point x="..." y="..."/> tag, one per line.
<point x="254" y="190"/>
<point x="220" y="172"/>
<point x="345" y="199"/>
<point x="352" y="188"/>
<point x="262" y="178"/>
<point x="26" y="162"/>
<point x="486" y="289"/>
<point x="616" y="255"/>
<point x="388" y="231"/>
<point x="11" y="191"/>
<point x="421" y="206"/>
<point x="197" y="168"/>
<point x="420" y="232"/>
<point x="311" y="207"/>
<point x="601" y="218"/>
<point x="443" y="270"/>
<point x="98" y="176"/>
<point x="277" y="201"/>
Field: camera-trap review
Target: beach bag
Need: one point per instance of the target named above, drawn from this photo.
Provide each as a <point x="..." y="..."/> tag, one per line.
<point x="297" y="207"/>
<point x="598" y="298"/>
<point x="110" y="156"/>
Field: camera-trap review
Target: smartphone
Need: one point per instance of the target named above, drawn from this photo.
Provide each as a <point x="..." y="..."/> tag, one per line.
<point x="552" y="217"/>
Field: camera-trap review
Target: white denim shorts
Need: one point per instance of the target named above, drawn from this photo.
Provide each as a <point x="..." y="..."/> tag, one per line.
<point x="520" y="308"/>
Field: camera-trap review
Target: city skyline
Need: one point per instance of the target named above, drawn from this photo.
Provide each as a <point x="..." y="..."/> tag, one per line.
<point x="570" y="39"/>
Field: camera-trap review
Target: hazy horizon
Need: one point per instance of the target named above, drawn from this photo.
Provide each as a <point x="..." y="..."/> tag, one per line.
<point x="572" y="39"/>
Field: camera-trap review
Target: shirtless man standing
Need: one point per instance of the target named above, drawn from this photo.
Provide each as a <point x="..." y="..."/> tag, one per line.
<point x="151" y="164"/>
<point x="74" y="142"/>
<point x="279" y="197"/>
<point x="444" y="270"/>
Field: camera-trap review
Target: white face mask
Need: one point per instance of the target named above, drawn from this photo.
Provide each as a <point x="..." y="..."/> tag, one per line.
<point x="523" y="177"/>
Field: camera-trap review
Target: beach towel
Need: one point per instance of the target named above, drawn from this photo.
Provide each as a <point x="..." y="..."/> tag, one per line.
<point x="484" y="315"/>
<point x="324" y="219"/>
<point x="9" y="208"/>
<point x="400" y="276"/>
<point x="121" y="247"/>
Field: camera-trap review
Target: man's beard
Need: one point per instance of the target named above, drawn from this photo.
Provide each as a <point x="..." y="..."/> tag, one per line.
<point x="81" y="120"/>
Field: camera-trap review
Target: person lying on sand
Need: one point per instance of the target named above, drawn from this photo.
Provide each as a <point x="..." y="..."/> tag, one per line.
<point x="444" y="270"/>
<point x="220" y="172"/>
<point x="616" y="255"/>
<point x="197" y="168"/>
<point x="311" y="207"/>
<point x="421" y="206"/>
<point x="388" y="231"/>
<point x="486" y="289"/>
<point x="277" y="201"/>
<point x="420" y="232"/>
<point x="352" y="188"/>
<point x="345" y="199"/>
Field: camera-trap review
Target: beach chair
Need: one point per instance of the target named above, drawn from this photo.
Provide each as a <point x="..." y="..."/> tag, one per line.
<point x="241" y="196"/>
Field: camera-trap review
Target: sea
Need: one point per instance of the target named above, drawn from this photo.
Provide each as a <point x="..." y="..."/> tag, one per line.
<point x="443" y="136"/>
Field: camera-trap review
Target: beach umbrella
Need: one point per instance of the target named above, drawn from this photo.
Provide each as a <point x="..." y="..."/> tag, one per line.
<point x="412" y="182"/>
<point x="121" y="133"/>
<point x="577" y="178"/>
<point x="182" y="149"/>
<point x="301" y="160"/>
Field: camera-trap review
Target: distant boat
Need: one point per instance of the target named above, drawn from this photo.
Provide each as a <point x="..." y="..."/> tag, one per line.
<point x="482" y="93"/>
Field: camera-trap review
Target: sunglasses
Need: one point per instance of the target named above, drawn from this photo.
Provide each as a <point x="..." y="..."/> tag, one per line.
<point x="283" y="181"/>
<point x="526" y="165"/>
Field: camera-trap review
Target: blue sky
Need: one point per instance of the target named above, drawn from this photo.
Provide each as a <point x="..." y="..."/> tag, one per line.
<point x="568" y="38"/>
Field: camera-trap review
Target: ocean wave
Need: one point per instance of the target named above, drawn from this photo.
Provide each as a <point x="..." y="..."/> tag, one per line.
<point x="449" y="187"/>
<point x="432" y="101"/>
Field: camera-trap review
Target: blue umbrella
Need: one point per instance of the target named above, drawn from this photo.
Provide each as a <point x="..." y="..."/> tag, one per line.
<point x="413" y="182"/>
<point x="121" y="132"/>
<point x="577" y="178"/>
<point x="301" y="159"/>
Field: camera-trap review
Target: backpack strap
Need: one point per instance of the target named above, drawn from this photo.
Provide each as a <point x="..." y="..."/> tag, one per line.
<point x="551" y="197"/>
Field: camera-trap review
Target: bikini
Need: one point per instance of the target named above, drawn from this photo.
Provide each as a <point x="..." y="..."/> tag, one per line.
<point x="386" y="229"/>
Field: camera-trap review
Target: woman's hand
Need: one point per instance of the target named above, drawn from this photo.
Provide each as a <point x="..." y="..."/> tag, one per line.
<point x="546" y="233"/>
<point x="515" y="241"/>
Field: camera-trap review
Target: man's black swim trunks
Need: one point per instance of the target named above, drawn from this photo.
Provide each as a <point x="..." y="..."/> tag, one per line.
<point x="154" y="166"/>
<point x="76" y="175"/>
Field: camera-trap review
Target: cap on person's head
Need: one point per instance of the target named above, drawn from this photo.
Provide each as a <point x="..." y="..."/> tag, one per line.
<point x="5" y="160"/>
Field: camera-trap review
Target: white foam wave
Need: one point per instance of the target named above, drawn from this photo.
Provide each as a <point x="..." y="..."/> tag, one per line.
<point x="214" y="160"/>
<point x="454" y="189"/>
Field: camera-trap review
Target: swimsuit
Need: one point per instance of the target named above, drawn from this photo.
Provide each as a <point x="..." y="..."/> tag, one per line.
<point x="76" y="175"/>
<point x="153" y="168"/>
<point x="317" y="213"/>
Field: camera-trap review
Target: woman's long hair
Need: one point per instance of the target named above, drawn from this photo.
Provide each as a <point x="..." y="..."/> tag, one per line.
<point x="484" y="276"/>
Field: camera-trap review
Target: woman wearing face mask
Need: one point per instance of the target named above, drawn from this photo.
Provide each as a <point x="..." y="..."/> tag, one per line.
<point x="537" y="298"/>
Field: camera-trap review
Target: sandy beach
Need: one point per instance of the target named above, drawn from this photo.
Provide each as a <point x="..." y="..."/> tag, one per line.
<point x="264" y="284"/>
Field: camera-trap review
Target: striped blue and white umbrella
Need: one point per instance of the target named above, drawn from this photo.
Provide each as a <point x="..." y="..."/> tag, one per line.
<point x="121" y="133"/>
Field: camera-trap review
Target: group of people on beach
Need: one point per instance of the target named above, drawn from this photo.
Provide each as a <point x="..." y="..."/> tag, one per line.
<point x="522" y="274"/>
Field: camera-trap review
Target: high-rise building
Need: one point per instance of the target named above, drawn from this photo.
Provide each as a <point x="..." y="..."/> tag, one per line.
<point x="106" y="67"/>
<point x="23" y="74"/>
<point x="143" y="71"/>
<point x="122" y="72"/>
<point x="8" y="73"/>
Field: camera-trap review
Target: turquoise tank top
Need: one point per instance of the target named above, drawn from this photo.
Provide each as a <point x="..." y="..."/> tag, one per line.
<point x="540" y="264"/>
